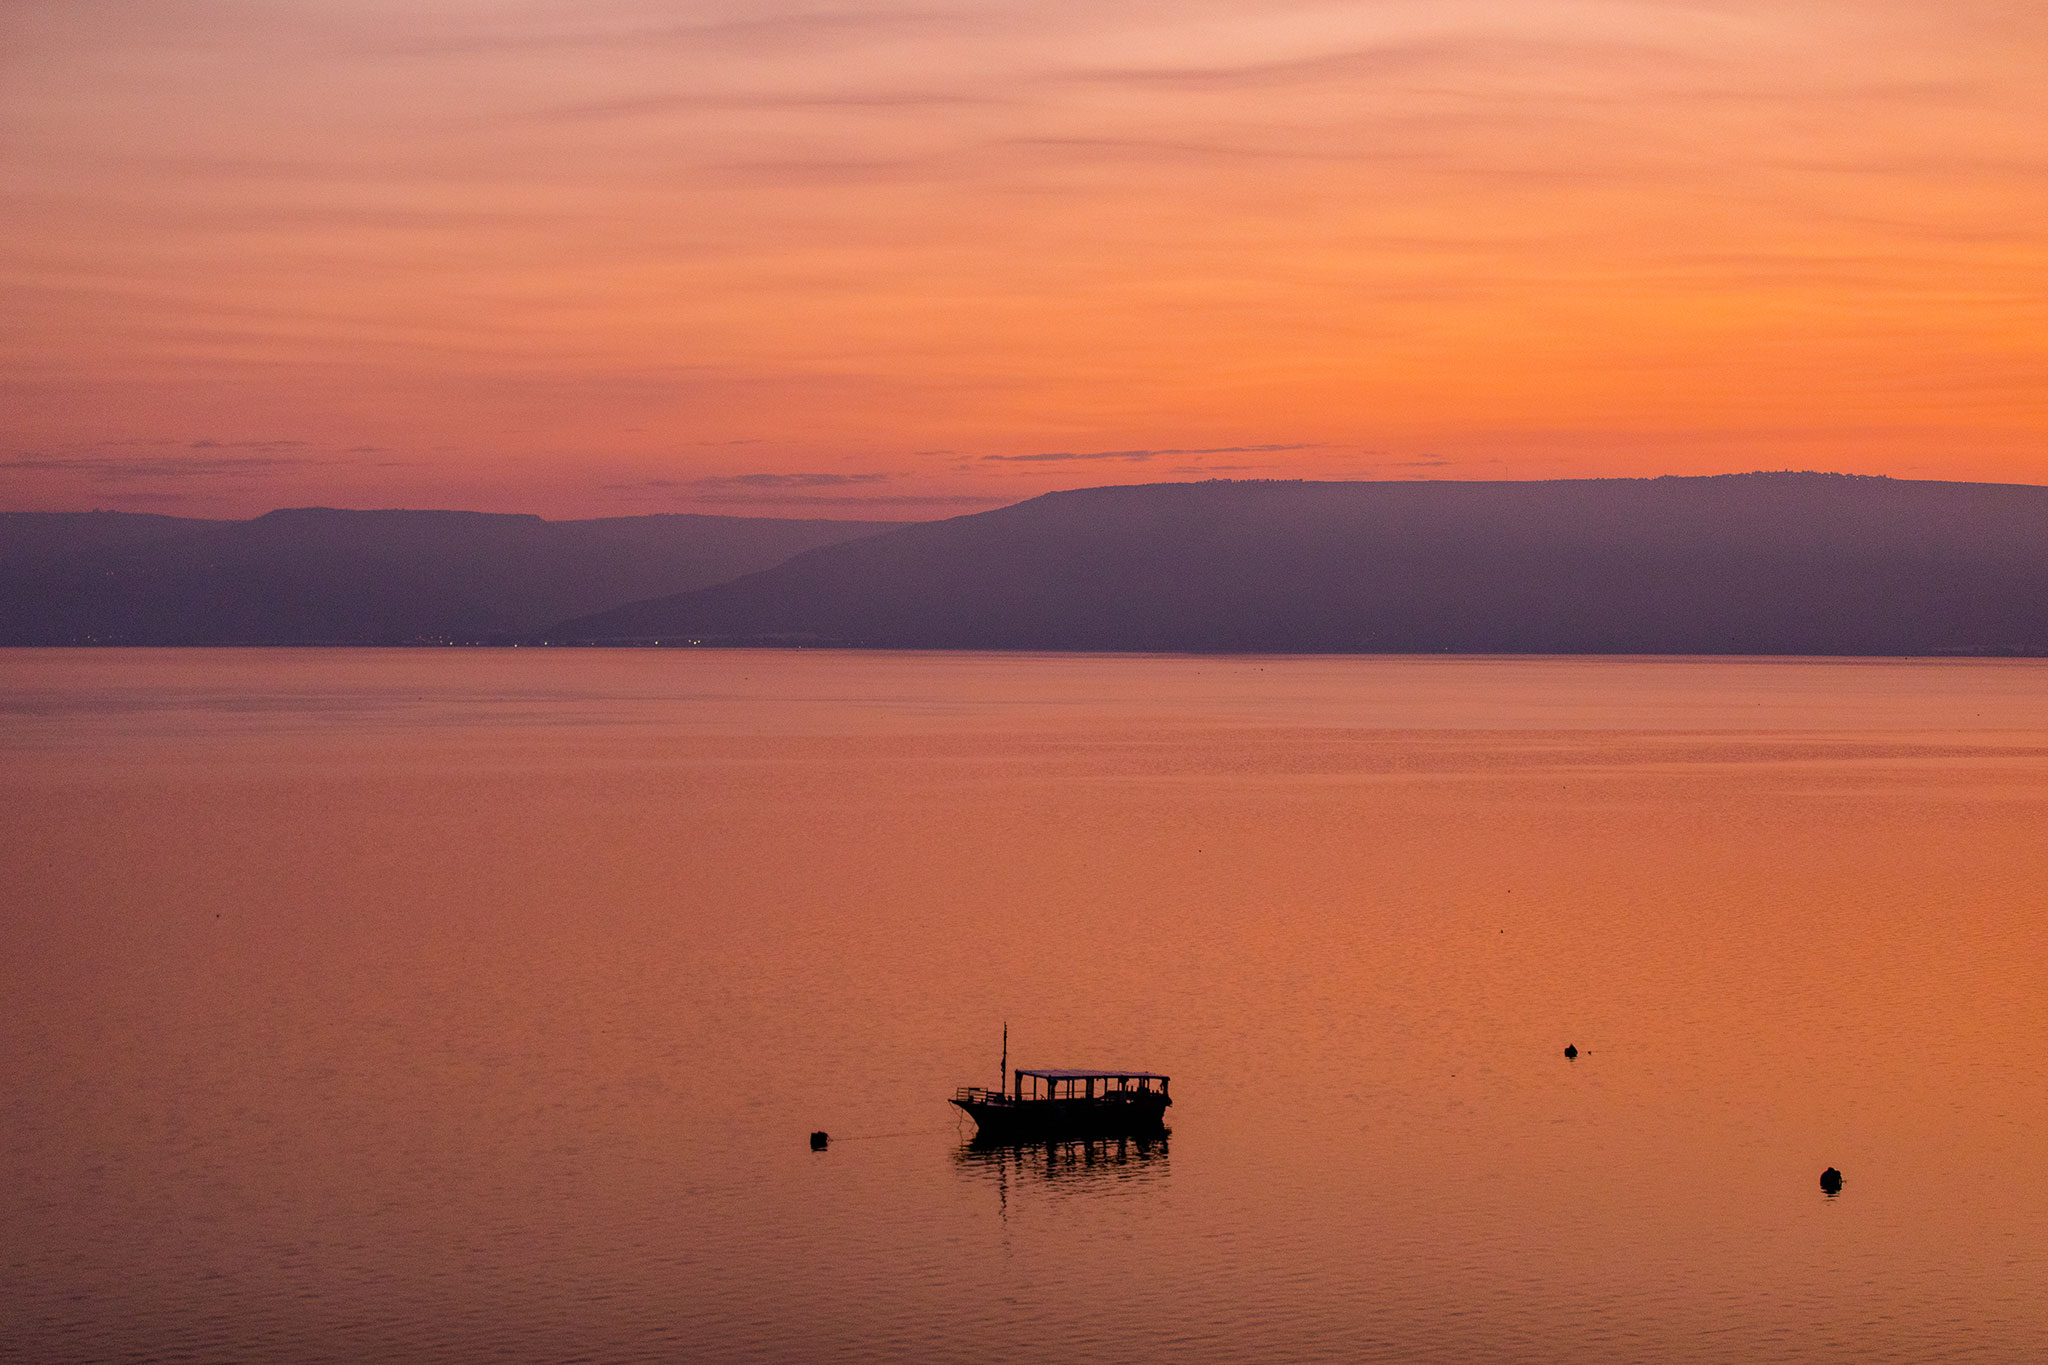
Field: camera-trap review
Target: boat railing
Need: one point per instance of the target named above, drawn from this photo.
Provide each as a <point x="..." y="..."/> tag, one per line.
<point x="975" y="1094"/>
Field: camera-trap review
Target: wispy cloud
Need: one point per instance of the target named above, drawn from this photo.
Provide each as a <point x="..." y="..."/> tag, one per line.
<point x="754" y="481"/>
<point x="1159" y="149"/>
<point x="764" y="102"/>
<point x="1458" y="52"/>
<point x="772" y="34"/>
<point x="185" y="459"/>
<point x="853" y="500"/>
<point x="128" y="469"/>
<point x="834" y="171"/>
<point x="1140" y="456"/>
<point x="716" y="481"/>
<point x="126" y="497"/>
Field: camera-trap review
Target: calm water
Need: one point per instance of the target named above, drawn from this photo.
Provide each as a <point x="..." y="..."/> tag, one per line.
<point x="477" y="1005"/>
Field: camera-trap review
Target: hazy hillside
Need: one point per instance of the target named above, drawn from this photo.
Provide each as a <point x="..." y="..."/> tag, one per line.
<point x="1756" y="563"/>
<point x="29" y="538"/>
<point x="319" y="575"/>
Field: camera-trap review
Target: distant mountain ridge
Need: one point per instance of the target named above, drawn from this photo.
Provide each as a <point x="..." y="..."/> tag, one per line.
<point x="318" y="575"/>
<point x="1768" y="563"/>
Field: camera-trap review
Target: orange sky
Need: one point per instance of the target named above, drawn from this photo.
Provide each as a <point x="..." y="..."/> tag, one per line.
<point x="591" y="257"/>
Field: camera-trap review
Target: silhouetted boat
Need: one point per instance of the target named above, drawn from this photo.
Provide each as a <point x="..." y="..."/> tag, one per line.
<point x="1068" y="1103"/>
<point x="1062" y="1103"/>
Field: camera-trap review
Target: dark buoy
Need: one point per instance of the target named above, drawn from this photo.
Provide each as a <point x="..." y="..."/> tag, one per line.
<point x="818" y="1141"/>
<point x="1831" y="1181"/>
<point x="1570" y="1051"/>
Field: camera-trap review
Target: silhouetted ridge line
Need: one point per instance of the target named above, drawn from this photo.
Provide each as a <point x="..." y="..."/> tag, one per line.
<point x="318" y="575"/>
<point x="1769" y="563"/>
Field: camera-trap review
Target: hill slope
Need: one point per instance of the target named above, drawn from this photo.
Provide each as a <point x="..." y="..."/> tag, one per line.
<point x="1754" y="563"/>
<point x="317" y="575"/>
<point x="31" y="539"/>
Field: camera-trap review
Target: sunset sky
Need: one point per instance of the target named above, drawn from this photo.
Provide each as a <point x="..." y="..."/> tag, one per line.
<point x="869" y="258"/>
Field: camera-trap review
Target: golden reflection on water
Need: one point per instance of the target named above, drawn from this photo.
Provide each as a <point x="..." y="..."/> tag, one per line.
<point x="478" y="1005"/>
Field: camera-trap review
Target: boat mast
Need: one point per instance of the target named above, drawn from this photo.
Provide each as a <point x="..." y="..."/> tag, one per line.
<point x="1004" y="1083"/>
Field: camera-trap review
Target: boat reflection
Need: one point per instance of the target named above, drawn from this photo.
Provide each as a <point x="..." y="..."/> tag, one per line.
<point x="1072" y="1163"/>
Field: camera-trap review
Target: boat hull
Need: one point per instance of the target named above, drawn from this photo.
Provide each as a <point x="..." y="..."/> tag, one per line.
<point x="1003" y="1120"/>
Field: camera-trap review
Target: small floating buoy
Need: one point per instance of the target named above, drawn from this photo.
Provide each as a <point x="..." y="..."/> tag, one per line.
<point x="818" y="1141"/>
<point x="1570" y="1051"/>
<point x="1831" y="1181"/>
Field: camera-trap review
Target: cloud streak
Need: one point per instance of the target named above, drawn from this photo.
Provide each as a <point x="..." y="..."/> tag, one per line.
<point x="769" y="34"/>
<point x="1434" y="56"/>
<point x="787" y="480"/>
<point x="125" y="469"/>
<point x="1140" y="456"/>
<point x="186" y="460"/>
<point x="714" y="482"/>
<point x="809" y="489"/>
<point x="849" y="101"/>
<point x="852" y="500"/>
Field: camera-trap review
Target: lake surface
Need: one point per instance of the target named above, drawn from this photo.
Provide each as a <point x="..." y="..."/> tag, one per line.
<point x="477" y="1005"/>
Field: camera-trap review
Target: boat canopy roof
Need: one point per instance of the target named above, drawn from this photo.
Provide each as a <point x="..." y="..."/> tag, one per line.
<point x="1058" y="1074"/>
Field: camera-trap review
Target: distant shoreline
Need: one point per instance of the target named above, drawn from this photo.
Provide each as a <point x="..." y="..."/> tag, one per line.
<point x="1766" y="564"/>
<point x="1014" y="651"/>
